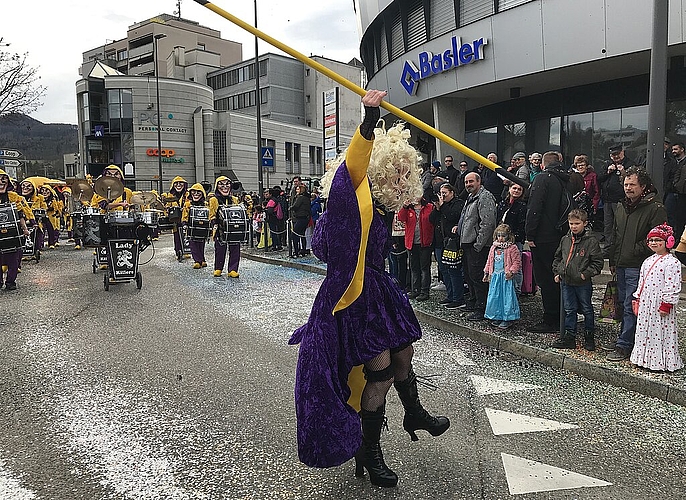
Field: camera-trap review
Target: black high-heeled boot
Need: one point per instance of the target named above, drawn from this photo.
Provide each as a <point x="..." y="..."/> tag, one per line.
<point x="370" y="454"/>
<point x="416" y="417"/>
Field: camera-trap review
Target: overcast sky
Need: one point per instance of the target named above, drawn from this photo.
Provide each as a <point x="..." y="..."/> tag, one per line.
<point x="55" y="33"/>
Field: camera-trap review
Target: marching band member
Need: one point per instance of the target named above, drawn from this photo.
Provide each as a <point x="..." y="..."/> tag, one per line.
<point x="122" y="202"/>
<point x="196" y="198"/>
<point x="35" y="201"/>
<point x="176" y="199"/>
<point x="10" y="260"/>
<point x="54" y="212"/>
<point x="223" y="196"/>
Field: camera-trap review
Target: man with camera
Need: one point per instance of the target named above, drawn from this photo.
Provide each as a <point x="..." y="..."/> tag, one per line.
<point x="611" y="180"/>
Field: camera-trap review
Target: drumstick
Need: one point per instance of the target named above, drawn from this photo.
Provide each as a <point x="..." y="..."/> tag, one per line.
<point x="360" y="91"/>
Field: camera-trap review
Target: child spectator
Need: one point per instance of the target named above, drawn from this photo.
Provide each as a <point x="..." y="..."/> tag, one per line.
<point x="659" y="284"/>
<point x="504" y="261"/>
<point x="419" y="237"/>
<point x="578" y="258"/>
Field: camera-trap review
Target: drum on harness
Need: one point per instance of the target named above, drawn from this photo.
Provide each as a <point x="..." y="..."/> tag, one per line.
<point x="198" y="223"/>
<point x="150" y="217"/>
<point x="174" y="214"/>
<point x="10" y="231"/>
<point x="39" y="214"/>
<point x="93" y="228"/>
<point x="77" y="223"/>
<point x="234" y="226"/>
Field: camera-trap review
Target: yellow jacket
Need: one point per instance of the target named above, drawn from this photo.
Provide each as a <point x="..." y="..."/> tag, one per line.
<point x="186" y="210"/>
<point x="21" y="204"/>
<point x="101" y="202"/>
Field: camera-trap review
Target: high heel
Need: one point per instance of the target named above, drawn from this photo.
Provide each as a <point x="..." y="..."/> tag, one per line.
<point x="371" y="454"/>
<point x="416" y="417"/>
<point x="359" y="467"/>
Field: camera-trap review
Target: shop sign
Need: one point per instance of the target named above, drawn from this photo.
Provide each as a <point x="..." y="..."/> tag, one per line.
<point x="168" y="155"/>
<point x="458" y="54"/>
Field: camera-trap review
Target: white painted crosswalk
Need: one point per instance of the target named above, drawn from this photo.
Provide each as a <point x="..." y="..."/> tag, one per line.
<point x="505" y="422"/>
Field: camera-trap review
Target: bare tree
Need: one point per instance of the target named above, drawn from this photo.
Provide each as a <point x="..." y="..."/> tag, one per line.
<point x="20" y="90"/>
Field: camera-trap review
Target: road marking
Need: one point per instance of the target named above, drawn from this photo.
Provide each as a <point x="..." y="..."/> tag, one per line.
<point x="10" y="487"/>
<point x="459" y="357"/>
<point x="528" y="476"/>
<point x="505" y="422"/>
<point x="486" y="385"/>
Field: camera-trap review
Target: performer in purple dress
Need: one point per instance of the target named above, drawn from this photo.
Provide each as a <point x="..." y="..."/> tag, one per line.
<point x="361" y="316"/>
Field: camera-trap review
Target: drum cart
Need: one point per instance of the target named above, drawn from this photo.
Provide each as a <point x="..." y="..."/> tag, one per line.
<point x="30" y="250"/>
<point x="127" y="237"/>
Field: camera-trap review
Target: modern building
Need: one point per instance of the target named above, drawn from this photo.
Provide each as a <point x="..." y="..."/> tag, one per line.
<point x="188" y="41"/>
<point x="292" y="111"/>
<point x="207" y="108"/>
<point x="524" y="75"/>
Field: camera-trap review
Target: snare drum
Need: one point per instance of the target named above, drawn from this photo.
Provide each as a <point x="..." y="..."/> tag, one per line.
<point x="174" y="214"/>
<point x="198" y="223"/>
<point x="233" y="224"/>
<point x="77" y="224"/>
<point x="93" y="233"/>
<point x="10" y="229"/>
<point x="121" y="225"/>
<point x="150" y="217"/>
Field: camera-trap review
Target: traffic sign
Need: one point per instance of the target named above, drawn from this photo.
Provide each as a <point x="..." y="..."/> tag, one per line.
<point x="268" y="157"/>
<point x="4" y="162"/>
<point x="10" y="153"/>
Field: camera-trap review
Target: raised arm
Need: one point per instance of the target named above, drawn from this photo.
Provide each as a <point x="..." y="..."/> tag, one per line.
<point x="360" y="149"/>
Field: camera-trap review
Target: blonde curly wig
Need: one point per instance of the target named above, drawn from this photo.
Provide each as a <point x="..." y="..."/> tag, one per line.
<point x="393" y="168"/>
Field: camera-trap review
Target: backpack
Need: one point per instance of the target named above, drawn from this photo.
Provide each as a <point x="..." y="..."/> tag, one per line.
<point x="281" y="208"/>
<point x="567" y="204"/>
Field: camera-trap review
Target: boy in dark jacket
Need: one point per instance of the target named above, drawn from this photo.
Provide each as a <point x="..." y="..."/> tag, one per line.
<point x="577" y="260"/>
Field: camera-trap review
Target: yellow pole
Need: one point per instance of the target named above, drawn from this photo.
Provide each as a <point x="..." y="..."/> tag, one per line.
<point x="360" y="91"/>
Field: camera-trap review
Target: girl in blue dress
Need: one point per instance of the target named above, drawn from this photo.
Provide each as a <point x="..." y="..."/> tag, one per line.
<point x="504" y="262"/>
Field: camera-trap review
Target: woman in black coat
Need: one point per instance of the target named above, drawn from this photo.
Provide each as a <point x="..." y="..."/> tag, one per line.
<point x="446" y="213"/>
<point x="300" y="218"/>
<point x="512" y="211"/>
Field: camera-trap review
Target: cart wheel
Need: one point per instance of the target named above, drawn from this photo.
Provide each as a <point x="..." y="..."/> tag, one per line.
<point x="139" y="280"/>
<point x="37" y="256"/>
<point x="95" y="266"/>
<point x="106" y="281"/>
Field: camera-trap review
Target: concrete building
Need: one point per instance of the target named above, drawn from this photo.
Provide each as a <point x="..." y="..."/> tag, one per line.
<point x="524" y="75"/>
<point x="207" y="108"/>
<point x="134" y="54"/>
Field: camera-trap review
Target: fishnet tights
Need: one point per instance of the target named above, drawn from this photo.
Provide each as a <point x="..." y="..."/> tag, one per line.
<point x="374" y="393"/>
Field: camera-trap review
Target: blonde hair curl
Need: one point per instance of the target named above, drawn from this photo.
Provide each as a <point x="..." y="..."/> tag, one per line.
<point x="393" y="168"/>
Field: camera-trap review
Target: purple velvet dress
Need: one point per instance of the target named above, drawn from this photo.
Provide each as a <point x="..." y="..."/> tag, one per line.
<point x="381" y="318"/>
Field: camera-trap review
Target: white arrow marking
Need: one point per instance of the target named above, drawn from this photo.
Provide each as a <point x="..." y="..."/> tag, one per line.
<point x="504" y="422"/>
<point x="529" y="476"/>
<point x="458" y="356"/>
<point x="486" y="385"/>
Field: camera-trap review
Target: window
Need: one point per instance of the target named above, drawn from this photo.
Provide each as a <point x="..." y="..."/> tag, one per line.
<point x="264" y="96"/>
<point x="288" y="155"/>
<point x="316" y="161"/>
<point x="201" y="46"/>
<point x="514" y="139"/>
<point x="483" y="141"/>
<point x="397" y="44"/>
<point x="416" y="27"/>
<point x="441" y="18"/>
<point x="219" y="147"/>
<point x="383" y="46"/>
<point x="473" y="10"/>
<point x="508" y="4"/>
<point x="307" y="71"/>
<point x="296" y="158"/>
<point x="122" y="55"/>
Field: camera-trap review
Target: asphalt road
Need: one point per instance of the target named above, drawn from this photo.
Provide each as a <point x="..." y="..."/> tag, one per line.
<point x="184" y="390"/>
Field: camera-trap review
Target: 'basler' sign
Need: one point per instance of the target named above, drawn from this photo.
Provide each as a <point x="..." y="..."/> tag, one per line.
<point x="458" y="54"/>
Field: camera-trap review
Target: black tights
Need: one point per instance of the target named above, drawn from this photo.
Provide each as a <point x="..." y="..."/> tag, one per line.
<point x="380" y="373"/>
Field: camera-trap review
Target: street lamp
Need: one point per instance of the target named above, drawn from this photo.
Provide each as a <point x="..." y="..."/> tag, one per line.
<point x="159" y="114"/>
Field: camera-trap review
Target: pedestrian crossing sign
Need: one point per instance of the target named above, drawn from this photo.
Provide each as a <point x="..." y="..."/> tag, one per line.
<point x="268" y="157"/>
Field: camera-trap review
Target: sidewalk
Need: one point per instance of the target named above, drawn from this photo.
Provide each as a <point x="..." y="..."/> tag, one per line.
<point x="518" y="341"/>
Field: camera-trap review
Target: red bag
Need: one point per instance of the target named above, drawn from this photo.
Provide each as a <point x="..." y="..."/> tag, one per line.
<point x="528" y="284"/>
<point x="634" y="306"/>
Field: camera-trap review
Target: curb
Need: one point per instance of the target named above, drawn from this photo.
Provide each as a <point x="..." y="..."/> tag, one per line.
<point x="641" y="385"/>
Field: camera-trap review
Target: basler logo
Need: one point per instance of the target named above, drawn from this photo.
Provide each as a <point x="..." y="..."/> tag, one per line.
<point x="458" y="54"/>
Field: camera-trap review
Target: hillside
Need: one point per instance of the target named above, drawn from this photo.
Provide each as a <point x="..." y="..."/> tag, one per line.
<point x="42" y="144"/>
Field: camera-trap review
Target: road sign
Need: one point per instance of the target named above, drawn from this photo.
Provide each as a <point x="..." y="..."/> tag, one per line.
<point x="267" y="157"/>
<point x="9" y="163"/>
<point x="10" y="153"/>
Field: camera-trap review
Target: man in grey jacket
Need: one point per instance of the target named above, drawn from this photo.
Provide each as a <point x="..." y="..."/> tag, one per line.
<point x="475" y="228"/>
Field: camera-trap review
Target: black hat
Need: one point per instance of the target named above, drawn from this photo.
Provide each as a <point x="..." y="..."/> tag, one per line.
<point x="667" y="141"/>
<point x="616" y="148"/>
